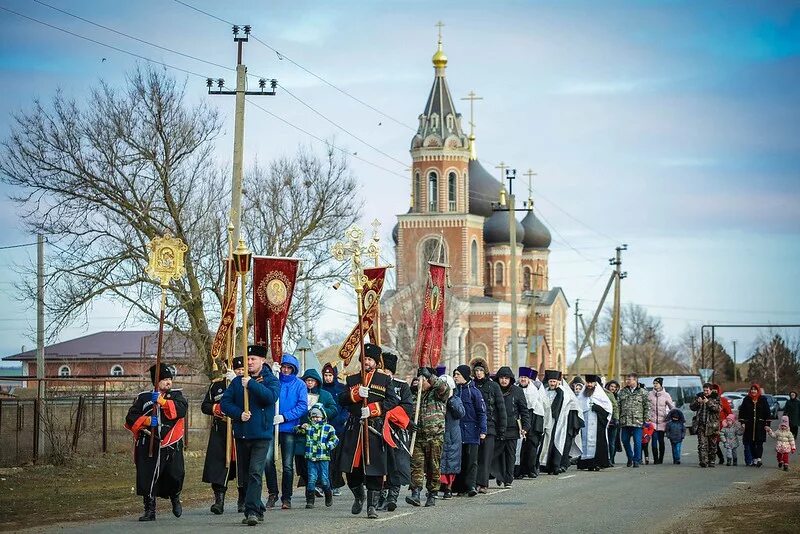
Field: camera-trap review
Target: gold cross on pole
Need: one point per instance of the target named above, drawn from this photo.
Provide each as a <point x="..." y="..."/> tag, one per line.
<point x="374" y="247"/>
<point x="530" y="174"/>
<point x="472" y="97"/>
<point x="440" y="25"/>
<point x="351" y="248"/>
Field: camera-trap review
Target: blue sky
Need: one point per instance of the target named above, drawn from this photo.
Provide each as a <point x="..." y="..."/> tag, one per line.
<point x="671" y="126"/>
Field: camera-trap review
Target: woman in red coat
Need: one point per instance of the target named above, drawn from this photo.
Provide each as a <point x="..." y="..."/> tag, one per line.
<point x="725" y="411"/>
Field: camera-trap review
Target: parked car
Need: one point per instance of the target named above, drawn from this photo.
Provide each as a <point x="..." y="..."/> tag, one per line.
<point x="734" y="398"/>
<point x="682" y="388"/>
<point x="781" y="401"/>
<point x="773" y="406"/>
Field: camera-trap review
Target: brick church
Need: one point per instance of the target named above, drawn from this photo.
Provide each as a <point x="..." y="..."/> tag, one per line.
<point x="451" y="220"/>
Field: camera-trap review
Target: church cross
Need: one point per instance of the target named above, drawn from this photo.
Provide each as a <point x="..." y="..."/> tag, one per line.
<point x="440" y="25"/>
<point x="530" y="174"/>
<point x="472" y="97"/>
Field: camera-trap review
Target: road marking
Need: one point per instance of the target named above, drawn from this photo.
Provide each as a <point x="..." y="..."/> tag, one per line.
<point x="741" y="482"/>
<point x="389" y="518"/>
<point x="498" y="490"/>
<point x="565" y="477"/>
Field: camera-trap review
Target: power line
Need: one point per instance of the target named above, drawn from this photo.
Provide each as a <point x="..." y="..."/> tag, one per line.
<point x="229" y="23"/>
<point x="95" y="41"/>
<point x="20" y="245"/>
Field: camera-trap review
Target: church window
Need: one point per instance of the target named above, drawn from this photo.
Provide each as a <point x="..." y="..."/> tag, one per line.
<point x="434" y="121"/>
<point x="64" y="371"/>
<point x="526" y="279"/>
<point x="498" y="274"/>
<point x="417" y="192"/>
<point x="479" y="350"/>
<point x="433" y="191"/>
<point x="450" y="122"/>
<point x="117" y="370"/>
<point x="473" y="256"/>
<point x="451" y="191"/>
<point x="433" y="249"/>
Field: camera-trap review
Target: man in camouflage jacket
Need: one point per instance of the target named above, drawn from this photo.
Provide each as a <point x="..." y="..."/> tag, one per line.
<point x="430" y="436"/>
<point x="707" y="406"/>
<point x="634" y="407"/>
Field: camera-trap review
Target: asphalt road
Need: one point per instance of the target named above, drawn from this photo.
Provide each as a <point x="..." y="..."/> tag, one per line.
<point x="618" y="499"/>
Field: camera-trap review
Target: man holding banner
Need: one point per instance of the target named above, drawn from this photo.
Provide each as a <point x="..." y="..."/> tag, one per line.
<point x="366" y="466"/>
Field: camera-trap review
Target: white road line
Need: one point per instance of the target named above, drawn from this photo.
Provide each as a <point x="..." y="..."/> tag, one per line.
<point x="566" y="477"/>
<point x="498" y="490"/>
<point x="389" y="518"/>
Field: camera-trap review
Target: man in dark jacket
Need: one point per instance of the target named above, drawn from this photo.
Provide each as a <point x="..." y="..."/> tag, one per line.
<point x="518" y="424"/>
<point x="398" y="458"/>
<point x="215" y="470"/>
<point x="252" y="428"/>
<point x="380" y="398"/>
<point x="292" y="405"/>
<point x="495" y="419"/>
<point x="792" y="411"/>
<point x="159" y="411"/>
<point x="331" y="384"/>
<point x="473" y="430"/>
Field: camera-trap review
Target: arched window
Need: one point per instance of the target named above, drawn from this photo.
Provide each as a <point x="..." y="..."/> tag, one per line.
<point x="479" y="350"/>
<point x="473" y="256"/>
<point x="64" y="371"/>
<point x="434" y="121"/>
<point x="449" y="120"/>
<point x="417" y="192"/>
<point x="526" y="278"/>
<point x="433" y="192"/>
<point x="432" y="249"/>
<point x="498" y="273"/>
<point x="117" y="370"/>
<point x="451" y="191"/>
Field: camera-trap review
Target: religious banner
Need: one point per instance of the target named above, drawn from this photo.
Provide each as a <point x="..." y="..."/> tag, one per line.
<point x="273" y="286"/>
<point x="370" y="299"/>
<point x="428" y="349"/>
<point x="226" y="325"/>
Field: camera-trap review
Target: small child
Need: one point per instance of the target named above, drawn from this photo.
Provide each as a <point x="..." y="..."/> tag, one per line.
<point x="784" y="442"/>
<point x="676" y="433"/>
<point x="729" y="436"/>
<point x="647" y="435"/>
<point x="321" y="439"/>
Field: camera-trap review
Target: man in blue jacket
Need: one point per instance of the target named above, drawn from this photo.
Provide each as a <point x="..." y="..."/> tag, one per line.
<point x="252" y="429"/>
<point x="293" y="405"/>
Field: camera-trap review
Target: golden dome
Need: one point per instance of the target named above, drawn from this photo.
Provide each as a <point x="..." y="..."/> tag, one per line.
<point x="439" y="58"/>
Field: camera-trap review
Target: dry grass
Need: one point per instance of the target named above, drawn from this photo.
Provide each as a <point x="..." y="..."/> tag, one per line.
<point x="88" y="488"/>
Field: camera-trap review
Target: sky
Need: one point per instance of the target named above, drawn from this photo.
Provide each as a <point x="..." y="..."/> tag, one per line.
<point x="671" y="126"/>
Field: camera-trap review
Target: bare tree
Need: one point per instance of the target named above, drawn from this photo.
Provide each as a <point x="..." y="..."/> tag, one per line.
<point x="101" y="178"/>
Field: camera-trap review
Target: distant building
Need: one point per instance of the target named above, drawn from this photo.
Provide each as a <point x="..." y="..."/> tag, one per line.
<point x="123" y="353"/>
<point x="451" y="220"/>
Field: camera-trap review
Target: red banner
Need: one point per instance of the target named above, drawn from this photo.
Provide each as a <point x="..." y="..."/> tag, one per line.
<point x="428" y="350"/>
<point x="228" y="321"/>
<point x="273" y="286"/>
<point x="370" y="299"/>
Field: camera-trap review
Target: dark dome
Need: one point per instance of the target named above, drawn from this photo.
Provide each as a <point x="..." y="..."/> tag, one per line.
<point x="396" y="232"/>
<point x="483" y="190"/>
<point x="495" y="229"/>
<point x="536" y="233"/>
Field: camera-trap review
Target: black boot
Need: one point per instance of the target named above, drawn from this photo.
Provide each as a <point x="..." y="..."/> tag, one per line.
<point x="413" y="499"/>
<point x="240" y="501"/>
<point x="358" y="500"/>
<point x="391" y="499"/>
<point x="382" y="500"/>
<point x="219" y="502"/>
<point x="430" y="498"/>
<point x="149" y="509"/>
<point x="729" y="462"/>
<point x="310" y="498"/>
<point x="372" y="503"/>
<point x="328" y="497"/>
<point x="177" y="509"/>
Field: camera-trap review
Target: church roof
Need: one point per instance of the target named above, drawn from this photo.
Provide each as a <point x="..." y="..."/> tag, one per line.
<point x="483" y="189"/>
<point x="497" y="231"/>
<point x="536" y="233"/>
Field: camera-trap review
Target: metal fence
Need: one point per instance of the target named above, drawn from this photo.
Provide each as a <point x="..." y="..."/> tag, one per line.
<point x="83" y="416"/>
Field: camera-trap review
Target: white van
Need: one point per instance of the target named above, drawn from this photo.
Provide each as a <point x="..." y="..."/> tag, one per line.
<point x="682" y="388"/>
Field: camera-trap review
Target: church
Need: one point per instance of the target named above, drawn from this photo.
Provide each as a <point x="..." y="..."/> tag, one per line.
<point x="451" y="220"/>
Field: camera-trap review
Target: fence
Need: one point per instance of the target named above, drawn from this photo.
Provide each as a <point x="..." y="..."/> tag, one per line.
<point x="84" y="416"/>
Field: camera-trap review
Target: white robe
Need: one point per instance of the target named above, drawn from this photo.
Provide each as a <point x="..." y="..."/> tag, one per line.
<point x="557" y="430"/>
<point x="589" y="431"/>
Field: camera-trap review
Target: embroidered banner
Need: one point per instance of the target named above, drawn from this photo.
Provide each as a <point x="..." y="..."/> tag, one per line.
<point x="370" y="299"/>
<point x="273" y="286"/>
<point x="228" y="321"/>
<point x="428" y="350"/>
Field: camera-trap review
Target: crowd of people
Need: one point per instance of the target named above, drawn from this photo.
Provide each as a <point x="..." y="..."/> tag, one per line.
<point x="444" y="434"/>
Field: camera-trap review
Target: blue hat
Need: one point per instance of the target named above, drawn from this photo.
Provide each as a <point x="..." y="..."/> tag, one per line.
<point x="440" y="370"/>
<point x="526" y="372"/>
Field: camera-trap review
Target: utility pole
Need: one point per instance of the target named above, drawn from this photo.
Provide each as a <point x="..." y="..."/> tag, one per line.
<point x="613" y="365"/>
<point x="238" y="127"/>
<point x="735" y="369"/>
<point x="40" y="374"/>
<point x="694" y="358"/>
<point x="577" y="332"/>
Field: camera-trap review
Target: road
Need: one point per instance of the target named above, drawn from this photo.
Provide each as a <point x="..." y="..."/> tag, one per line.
<point x="618" y="499"/>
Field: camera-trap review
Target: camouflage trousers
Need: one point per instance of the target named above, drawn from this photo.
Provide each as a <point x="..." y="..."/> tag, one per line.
<point x="706" y="447"/>
<point x="426" y="464"/>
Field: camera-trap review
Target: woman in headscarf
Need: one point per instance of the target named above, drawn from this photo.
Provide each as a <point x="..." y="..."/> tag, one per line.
<point x="754" y="415"/>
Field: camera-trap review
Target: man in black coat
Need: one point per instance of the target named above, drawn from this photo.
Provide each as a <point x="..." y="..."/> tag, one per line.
<point x="380" y="398"/>
<point x="160" y="412"/>
<point x="495" y="419"/>
<point x="518" y="424"/>
<point x="215" y="472"/>
<point x="398" y="459"/>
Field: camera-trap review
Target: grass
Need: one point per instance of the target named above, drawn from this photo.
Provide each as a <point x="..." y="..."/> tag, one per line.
<point x="89" y="488"/>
